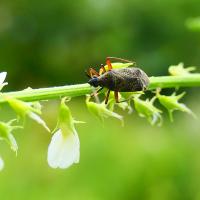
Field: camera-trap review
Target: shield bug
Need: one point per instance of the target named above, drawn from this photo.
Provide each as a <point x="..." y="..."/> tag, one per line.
<point x="129" y="79"/>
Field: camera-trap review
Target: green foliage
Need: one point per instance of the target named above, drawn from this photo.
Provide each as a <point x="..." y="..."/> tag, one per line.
<point x="193" y="24"/>
<point x="51" y="43"/>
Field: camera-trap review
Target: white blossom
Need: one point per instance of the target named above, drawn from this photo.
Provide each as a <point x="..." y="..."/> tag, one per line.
<point x="1" y="164"/>
<point x="2" y="79"/>
<point x="63" y="150"/>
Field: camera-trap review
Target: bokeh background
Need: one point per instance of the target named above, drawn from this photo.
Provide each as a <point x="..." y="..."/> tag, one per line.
<point x="51" y="43"/>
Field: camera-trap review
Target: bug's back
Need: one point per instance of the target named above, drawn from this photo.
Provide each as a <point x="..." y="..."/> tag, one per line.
<point x="124" y="80"/>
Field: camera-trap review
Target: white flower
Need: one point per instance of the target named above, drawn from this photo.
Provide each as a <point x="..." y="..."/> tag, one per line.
<point x="1" y="164"/>
<point x="63" y="150"/>
<point x="2" y="79"/>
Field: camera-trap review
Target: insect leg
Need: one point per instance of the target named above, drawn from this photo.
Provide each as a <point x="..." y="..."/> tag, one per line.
<point x="97" y="92"/>
<point x="102" y="69"/>
<point x="109" y="63"/>
<point x="107" y="96"/>
<point x="116" y="96"/>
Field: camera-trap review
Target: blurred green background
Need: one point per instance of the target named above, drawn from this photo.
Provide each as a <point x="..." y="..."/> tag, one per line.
<point x="48" y="43"/>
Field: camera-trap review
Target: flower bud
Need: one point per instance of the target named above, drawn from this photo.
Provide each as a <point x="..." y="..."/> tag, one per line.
<point x="148" y="110"/>
<point x="24" y="109"/>
<point x="6" y="134"/>
<point x="179" y="70"/>
<point x="101" y="111"/>
<point x="171" y="104"/>
<point x="124" y="104"/>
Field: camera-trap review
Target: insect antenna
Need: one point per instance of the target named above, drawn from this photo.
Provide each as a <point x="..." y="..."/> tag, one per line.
<point x="121" y="59"/>
<point x="87" y="74"/>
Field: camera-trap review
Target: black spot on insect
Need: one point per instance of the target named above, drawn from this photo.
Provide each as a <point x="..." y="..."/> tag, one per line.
<point x="129" y="79"/>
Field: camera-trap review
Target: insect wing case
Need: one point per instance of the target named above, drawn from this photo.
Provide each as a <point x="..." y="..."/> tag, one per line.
<point x="124" y="80"/>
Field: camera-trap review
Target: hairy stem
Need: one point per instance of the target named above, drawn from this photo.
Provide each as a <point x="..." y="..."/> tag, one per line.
<point x="83" y="89"/>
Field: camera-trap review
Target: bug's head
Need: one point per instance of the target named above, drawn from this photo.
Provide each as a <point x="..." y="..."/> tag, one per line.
<point x="94" y="82"/>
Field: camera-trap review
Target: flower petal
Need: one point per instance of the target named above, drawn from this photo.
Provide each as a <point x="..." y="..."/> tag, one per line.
<point x="63" y="151"/>
<point x="1" y="164"/>
<point x="13" y="143"/>
<point x="2" y="77"/>
<point x="38" y="119"/>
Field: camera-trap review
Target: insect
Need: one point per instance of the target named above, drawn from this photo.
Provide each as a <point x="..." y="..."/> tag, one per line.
<point x="128" y="79"/>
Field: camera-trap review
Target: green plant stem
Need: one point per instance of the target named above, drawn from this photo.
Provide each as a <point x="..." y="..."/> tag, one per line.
<point x="174" y="81"/>
<point x="83" y="89"/>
